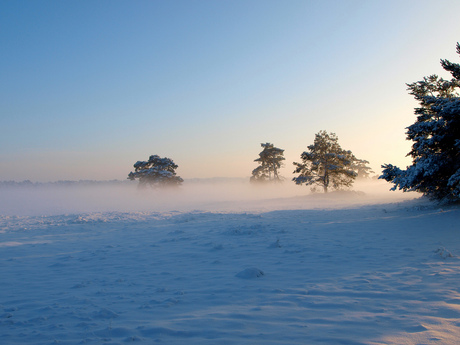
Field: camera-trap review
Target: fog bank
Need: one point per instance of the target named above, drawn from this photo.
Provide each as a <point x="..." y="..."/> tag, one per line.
<point x="211" y="195"/>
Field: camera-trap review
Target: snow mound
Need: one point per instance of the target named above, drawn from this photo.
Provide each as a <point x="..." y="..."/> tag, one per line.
<point x="443" y="253"/>
<point x="276" y="244"/>
<point x="104" y="313"/>
<point x="250" y="273"/>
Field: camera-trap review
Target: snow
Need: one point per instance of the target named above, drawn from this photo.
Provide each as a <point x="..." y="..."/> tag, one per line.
<point x="223" y="267"/>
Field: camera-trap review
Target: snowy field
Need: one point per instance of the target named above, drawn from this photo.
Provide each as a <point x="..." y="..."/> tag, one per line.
<point x="227" y="265"/>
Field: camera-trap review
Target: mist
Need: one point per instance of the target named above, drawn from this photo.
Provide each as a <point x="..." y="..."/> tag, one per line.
<point x="235" y="195"/>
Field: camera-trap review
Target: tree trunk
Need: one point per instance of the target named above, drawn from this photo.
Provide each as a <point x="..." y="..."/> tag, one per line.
<point x="275" y="173"/>
<point x="326" y="182"/>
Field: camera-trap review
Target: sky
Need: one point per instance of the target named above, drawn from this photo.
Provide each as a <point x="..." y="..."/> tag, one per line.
<point x="90" y="87"/>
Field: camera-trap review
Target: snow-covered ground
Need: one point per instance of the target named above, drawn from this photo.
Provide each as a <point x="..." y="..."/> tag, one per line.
<point x="227" y="265"/>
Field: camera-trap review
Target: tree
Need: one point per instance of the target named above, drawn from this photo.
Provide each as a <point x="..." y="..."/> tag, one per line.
<point x="361" y="168"/>
<point x="156" y="172"/>
<point x="435" y="169"/>
<point x="270" y="161"/>
<point x="325" y="164"/>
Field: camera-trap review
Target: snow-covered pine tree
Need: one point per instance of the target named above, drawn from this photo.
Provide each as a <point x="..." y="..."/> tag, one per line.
<point x="435" y="169"/>
<point x="325" y="164"/>
<point x="270" y="161"/>
<point x="155" y="172"/>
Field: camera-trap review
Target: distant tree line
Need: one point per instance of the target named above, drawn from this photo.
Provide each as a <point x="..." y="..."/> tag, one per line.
<point x="62" y="183"/>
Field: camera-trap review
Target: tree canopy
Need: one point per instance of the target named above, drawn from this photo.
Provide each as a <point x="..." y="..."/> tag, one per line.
<point x="435" y="169"/>
<point x="325" y="164"/>
<point x="156" y="172"/>
<point x="270" y="161"/>
<point x="361" y="168"/>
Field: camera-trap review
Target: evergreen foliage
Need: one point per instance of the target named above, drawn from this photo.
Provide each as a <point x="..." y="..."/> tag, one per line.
<point x="325" y="164"/>
<point x="155" y="172"/>
<point x="361" y="168"/>
<point x="270" y="161"/>
<point x="435" y="169"/>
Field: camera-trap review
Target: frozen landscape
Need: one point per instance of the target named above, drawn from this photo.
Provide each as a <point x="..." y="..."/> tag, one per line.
<point x="235" y="264"/>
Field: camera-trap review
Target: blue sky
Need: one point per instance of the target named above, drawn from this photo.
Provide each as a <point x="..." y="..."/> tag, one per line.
<point x="90" y="87"/>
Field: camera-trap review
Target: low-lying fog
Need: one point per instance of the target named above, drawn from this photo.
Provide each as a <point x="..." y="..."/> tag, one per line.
<point x="235" y="196"/>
